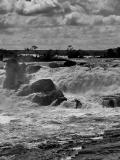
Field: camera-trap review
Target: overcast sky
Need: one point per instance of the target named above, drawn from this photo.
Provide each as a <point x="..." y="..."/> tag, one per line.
<point x="85" y="24"/>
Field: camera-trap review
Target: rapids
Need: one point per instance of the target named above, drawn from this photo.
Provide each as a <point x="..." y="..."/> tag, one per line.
<point x="21" y="120"/>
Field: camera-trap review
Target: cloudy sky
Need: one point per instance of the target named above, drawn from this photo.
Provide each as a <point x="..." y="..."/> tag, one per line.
<point x="85" y="24"/>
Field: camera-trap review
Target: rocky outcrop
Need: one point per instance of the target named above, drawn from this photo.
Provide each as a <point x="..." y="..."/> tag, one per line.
<point x="55" y="65"/>
<point x="75" y="147"/>
<point x="32" y="69"/>
<point x="47" y="99"/>
<point x="45" y="92"/>
<point x="9" y="150"/>
<point x="42" y="86"/>
<point x="111" y="101"/>
<point x="69" y="63"/>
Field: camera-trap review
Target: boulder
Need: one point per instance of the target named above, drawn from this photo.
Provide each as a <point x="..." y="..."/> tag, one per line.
<point x="47" y="99"/>
<point x="53" y="65"/>
<point x="69" y="63"/>
<point x="43" y="92"/>
<point x="111" y="101"/>
<point x="62" y="64"/>
<point x="32" y="69"/>
<point x="42" y="86"/>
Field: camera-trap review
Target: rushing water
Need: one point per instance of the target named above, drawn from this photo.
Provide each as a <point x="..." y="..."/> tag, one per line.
<point x="20" y="119"/>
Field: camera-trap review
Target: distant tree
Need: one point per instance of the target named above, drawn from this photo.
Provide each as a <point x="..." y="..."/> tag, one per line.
<point x="70" y="48"/>
<point x="110" y="53"/>
<point x="79" y="54"/>
<point x="34" y="47"/>
<point x="70" y="51"/>
<point x="27" y="51"/>
<point x="118" y="52"/>
<point x="49" y="55"/>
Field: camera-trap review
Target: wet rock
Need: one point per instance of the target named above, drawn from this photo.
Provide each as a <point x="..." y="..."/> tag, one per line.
<point x="42" y="85"/>
<point x="32" y="69"/>
<point x="54" y="65"/>
<point x="82" y="63"/>
<point x="112" y="134"/>
<point x="49" y="145"/>
<point x="43" y="92"/>
<point x="111" y="101"/>
<point x="47" y="99"/>
<point x="12" y="150"/>
<point x="69" y="63"/>
<point x="78" y="104"/>
<point x="115" y="65"/>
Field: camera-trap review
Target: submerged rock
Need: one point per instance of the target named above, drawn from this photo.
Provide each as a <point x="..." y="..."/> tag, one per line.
<point x="54" y="65"/>
<point x="32" y="69"/>
<point x="47" y="99"/>
<point x="62" y="64"/>
<point x="42" y="85"/>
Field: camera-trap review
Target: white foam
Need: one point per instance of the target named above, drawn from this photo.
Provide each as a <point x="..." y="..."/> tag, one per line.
<point x="6" y="119"/>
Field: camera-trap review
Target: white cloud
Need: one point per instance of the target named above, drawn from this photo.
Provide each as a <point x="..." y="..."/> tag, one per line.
<point x="6" y="6"/>
<point x="26" y="7"/>
<point x="94" y="17"/>
<point x="98" y="5"/>
<point x="37" y="7"/>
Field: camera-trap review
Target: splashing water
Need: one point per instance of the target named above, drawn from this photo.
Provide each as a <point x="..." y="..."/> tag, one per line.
<point x="22" y="119"/>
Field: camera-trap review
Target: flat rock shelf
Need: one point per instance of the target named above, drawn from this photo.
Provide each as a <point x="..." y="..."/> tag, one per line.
<point x="72" y="147"/>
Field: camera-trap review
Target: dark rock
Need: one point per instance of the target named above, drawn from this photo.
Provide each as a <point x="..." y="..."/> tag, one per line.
<point x="47" y="99"/>
<point x="32" y="69"/>
<point x="82" y="63"/>
<point x="49" y="145"/>
<point x="42" y="85"/>
<point x="112" y="133"/>
<point x="13" y="150"/>
<point x="115" y="65"/>
<point x="54" y="65"/>
<point x="46" y="92"/>
<point x="78" y="104"/>
<point x="69" y="63"/>
<point x="111" y="101"/>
